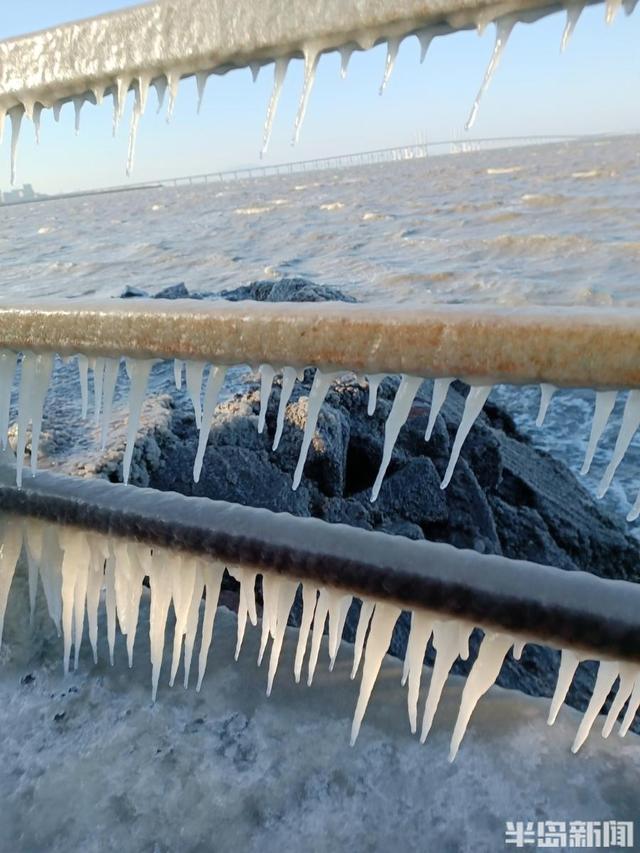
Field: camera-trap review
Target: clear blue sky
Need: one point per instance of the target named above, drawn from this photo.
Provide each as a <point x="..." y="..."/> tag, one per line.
<point x="593" y="87"/>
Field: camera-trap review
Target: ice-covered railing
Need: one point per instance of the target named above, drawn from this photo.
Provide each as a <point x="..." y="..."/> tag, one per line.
<point x="482" y="346"/>
<point x="158" y="44"/>
<point x="87" y="538"/>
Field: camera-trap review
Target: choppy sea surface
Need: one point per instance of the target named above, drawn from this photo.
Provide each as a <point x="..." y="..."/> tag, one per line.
<point x="556" y="224"/>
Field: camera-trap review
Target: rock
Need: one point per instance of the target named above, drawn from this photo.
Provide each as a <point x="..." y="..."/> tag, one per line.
<point x="295" y="289"/>
<point x="176" y="291"/>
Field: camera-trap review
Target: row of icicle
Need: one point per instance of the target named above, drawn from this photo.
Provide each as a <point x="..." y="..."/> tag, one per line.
<point x="78" y="569"/>
<point x="169" y="82"/>
<point x="37" y="368"/>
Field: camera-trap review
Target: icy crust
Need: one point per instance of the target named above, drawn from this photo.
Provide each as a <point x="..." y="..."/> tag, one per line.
<point x="230" y="769"/>
<point x="78" y="569"/>
<point x="178" y="39"/>
<point x="158" y="44"/>
<point x="575" y="610"/>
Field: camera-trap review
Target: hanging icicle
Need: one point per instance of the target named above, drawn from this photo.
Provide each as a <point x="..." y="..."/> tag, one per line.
<point x="476" y="398"/>
<point x="628" y="427"/>
<point x="504" y="26"/>
<point x="440" y="390"/>
<point x="279" y="73"/>
<point x="319" y="389"/>
<point x="311" y="57"/>
<point x="267" y="374"/>
<point x="605" y="401"/>
<point x="405" y="395"/>
<point x="546" y="393"/>
<point x="215" y="381"/>
<point x="393" y="45"/>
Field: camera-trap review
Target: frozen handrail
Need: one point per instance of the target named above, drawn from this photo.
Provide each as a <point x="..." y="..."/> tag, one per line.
<point x="482" y="345"/>
<point x="591" y="616"/>
<point x="155" y="39"/>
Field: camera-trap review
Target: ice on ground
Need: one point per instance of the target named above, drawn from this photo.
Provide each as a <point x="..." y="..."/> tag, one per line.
<point x="229" y="769"/>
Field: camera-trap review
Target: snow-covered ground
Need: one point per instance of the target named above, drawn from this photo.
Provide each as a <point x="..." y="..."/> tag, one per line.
<point x="89" y="763"/>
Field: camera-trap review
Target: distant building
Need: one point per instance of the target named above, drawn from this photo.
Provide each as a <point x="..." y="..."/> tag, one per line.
<point x="27" y="193"/>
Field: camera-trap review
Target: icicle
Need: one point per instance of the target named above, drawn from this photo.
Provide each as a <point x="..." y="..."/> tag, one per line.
<point x="33" y="545"/>
<point x="574" y="10"/>
<point x="110" y="600"/>
<point x="425" y="37"/>
<point x="98" y="94"/>
<point x="160" y="85"/>
<point x="405" y="395"/>
<point x="173" y="82"/>
<point x="632" y="707"/>
<point x="440" y="390"/>
<point x="286" y="597"/>
<point x="611" y="10"/>
<point x="266" y="381"/>
<point x="319" y="389"/>
<point x="607" y="674"/>
<point x="605" y="401"/>
<point x="246" y="603"/>
<point x="95" y="582"/>
<point x="139" y="370"/>
<point x="16" y="123"/>
<point x="56" y="111"/>
<point x="366" y="612"/>
<point x="339" y="605"/>
<point x="98" y="382"/>
<point x="346" y="52"/>
<point x="201" y="85"/>
<point x="503" y="31"/>
<point x="309" y="599"/>
<point x="289" y="375"/>
<point x="132" y="563"/>
<point x="183" y="583"/>
<point x="83" y="369"/>
<point x="319" y="619"/>
<point x="177" y="373"/>
<point x="568" y="665"/>
<point x="78" y="102"/>
<point x="193" y="615"/>
<point x="195" y="370"/>
<point x="546" y="393"/>
<point x="628" y="674"/>
<point x="10" y="548"/>
<point x="212" y="573"/>
<point x="34" y="382"/>
<point x="254" y="68"/>
<point x="518" y="648"/>
<point x="270" y="592"/>
<point x="421" y="629"/>
<point x="311" y="58"/>
<point x="37" y="117"/>
<point x="628" y="427"/>
<point x="484" y="672"/>
<point x="448" y="640"/>
<point x="634" y="512"/>
<point x="476" y="398"/>
<point x="392" y="52"/>
<point x="111" y="369"/>
<point x="3" y="118"/>
<point x="80" y="599"/>
<point x="139" y="107"/>
<point x="279" y="72"/>
<point x="120" y="91"/>
<point x="7" y="372"/>
<point x="76" y="559"/>
<point x="384" y="619"/>
<point x="51" y="573"/>
<point x="160" y="581"/>
<point x="215" y="381"/>
<point x="374" y="383"/>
